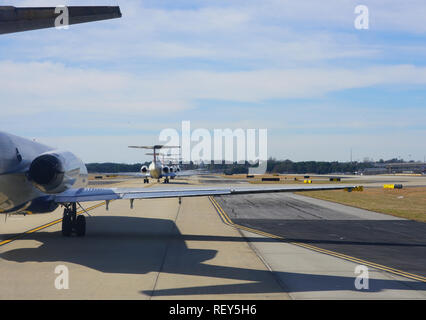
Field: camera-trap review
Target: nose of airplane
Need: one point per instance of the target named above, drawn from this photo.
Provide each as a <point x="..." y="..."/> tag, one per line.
<point x="9" y="155"/>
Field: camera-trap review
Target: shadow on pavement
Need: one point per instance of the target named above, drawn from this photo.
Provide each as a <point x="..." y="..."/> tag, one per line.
<point x="139" y="245"/>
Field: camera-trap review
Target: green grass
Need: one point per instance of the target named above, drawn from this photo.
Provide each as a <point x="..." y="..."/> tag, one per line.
<point x="408" y="203"/>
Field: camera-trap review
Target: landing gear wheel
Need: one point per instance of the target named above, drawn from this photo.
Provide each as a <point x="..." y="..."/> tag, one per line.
<point x="71" y="223"/>
<point x="80" y="226"/>
<point x="66" y="224"/>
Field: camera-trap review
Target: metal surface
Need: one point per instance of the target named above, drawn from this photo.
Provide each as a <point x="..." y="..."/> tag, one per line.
<point x="14" y="19"/>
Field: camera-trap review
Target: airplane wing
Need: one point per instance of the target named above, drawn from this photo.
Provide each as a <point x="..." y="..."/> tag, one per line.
<point x="184" y="173"/>
<point x="14" y="19"/>
<point x="88" y="194"/>
<point x="129" y="174"/>
<point x="169" y="174"/>
<point x="155" y="147"/>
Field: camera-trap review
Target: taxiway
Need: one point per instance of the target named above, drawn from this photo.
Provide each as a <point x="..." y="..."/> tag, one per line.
<point x="276" y="246"/>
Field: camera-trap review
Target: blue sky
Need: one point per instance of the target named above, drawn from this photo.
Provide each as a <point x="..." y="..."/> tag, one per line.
<point x="297" y="68"/>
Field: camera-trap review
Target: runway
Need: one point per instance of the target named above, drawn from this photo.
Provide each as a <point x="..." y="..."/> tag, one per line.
<point x="160" y="250"/>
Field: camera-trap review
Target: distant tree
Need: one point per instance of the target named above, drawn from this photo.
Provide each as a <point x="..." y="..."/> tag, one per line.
<point x="110" y="167"/>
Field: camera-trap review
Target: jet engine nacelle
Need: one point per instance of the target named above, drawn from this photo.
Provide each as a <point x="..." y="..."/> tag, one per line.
<point x="56" y="171"/>
<point x="144" y="169"/>
<point x="166" y="169"/>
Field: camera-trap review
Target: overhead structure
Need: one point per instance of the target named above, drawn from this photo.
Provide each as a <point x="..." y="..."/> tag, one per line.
<point x="13" y="19"/>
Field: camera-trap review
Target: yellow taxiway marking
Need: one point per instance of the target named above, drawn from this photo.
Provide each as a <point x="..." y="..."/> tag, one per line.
<point x="229" y="222"/>
<point x="49" y="224"/>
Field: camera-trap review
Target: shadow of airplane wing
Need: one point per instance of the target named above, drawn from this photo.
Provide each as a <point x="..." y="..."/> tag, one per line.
<point x="131" y="245"/>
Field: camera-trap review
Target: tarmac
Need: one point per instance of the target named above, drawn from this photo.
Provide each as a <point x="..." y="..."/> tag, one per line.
<point x="340" y="239"/>
<point x="160" y="250"/>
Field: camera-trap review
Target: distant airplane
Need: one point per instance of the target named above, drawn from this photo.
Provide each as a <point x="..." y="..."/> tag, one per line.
<point x="156" y="168"/>
<point x="36" y="178"/>
<point x="14" y="19"/>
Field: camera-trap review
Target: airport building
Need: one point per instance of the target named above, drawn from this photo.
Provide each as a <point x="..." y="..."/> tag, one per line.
<point x="393" y="168"/>
<point x="409" y="167"/>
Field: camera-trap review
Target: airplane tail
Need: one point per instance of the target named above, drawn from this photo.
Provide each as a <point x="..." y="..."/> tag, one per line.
<point x="158" y="146"/>
<point x="155" y="148"/>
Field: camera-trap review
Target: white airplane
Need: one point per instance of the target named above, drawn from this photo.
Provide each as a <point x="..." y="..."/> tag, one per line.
<point x="156" y="168"/>
<point x="37" y="178"/>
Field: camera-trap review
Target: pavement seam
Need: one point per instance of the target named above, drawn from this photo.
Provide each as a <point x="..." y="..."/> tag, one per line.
<point x="165" y="255"/>
<point x="229" y="222"/>
<point x="279" y="281"/>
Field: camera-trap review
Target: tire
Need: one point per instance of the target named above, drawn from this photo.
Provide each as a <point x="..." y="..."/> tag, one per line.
<point x="66" y="225"/>
<point x="80" y="226"/>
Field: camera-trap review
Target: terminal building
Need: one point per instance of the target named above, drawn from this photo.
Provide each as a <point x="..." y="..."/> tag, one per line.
<point x="409" y="167"/>
<point x="397" y="168"/>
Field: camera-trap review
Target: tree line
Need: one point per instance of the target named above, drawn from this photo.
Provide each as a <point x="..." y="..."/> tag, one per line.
<point x="273" y="166"/>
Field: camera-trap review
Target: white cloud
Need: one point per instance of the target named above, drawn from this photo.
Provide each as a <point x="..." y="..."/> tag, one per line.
<point x="236" y="31"/>
<point x="159" y="62"/>
<point x="40" y="87"/>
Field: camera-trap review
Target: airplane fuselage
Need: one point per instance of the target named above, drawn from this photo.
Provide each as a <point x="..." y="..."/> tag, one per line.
<point x="156" y="170"/>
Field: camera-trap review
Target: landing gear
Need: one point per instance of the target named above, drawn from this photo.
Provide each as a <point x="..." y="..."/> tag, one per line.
<point x="67" y="223"/>
<point x="145" y="180"/>
<point x="166" y="180"/>
<point x="80" y="226"/>
<point x="73" y="223"/>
